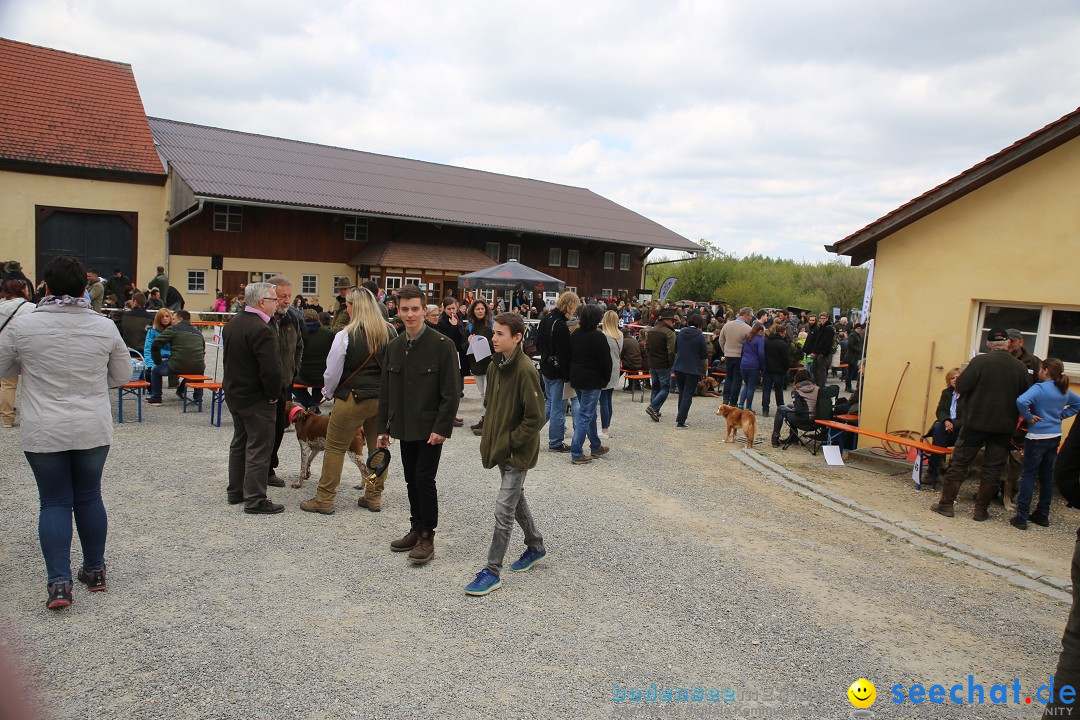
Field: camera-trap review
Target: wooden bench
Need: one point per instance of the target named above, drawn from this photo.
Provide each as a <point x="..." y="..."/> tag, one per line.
<point x="898" y="439"/>
<point x="134" y="389"/>
<point x="639" y="377"/>
<point x="189" y="379"/>
<point x="848" y="417"/>
<point x="217" y="399"/>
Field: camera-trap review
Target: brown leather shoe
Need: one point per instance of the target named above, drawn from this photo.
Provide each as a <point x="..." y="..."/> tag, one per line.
<point x="408" y="542"/>
<point x="943" y="509"/>
<point x="602" y="450"/>
<point x="372" y="506"/>
<point x="980" y="514"/>
<point x="317" y="506"/>
<point x="425" y="548"/>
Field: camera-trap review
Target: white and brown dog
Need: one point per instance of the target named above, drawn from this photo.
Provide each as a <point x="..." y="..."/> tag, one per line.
<point x="311" y="433"/>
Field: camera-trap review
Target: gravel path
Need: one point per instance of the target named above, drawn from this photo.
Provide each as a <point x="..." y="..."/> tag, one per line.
<point x="670" y="562"/>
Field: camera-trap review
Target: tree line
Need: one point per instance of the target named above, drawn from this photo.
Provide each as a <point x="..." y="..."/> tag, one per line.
<point x="760" y="281"/>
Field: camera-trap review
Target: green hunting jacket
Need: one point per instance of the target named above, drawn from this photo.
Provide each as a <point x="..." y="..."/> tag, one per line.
<point x="514" y="413"/>
<point x="421" y="386"/>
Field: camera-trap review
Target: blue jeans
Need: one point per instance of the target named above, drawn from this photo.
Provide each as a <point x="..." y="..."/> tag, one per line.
<point x="1039" y="457"/>
<point x="162" y="368"/>
<point x="772" y="383"/>
<point x="510" y="505"/>
<point x="305" y="396"/>
<point x="585" y="422"/>
<point x="687" y="387"/>
<point x="69" y="483"/>
<point x="605" y="408"/>
<point x="749" y="378"/>
<point x="555" y="410"/>
<point x="732" y="381"/>
<point x="661" y="387"/>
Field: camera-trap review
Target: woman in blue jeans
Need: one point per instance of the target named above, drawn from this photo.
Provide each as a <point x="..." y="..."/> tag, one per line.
<point x="590" y="370"/>
<point x="1043" y="407"/>
<point x="614" y="336"/>
<point x="67" y="357"/>
<point x="752" y="365"/>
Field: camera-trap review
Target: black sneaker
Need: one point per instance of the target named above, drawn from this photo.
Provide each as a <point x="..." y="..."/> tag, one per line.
<point x="154" y="401"/>
<point x="560" y="448"/>
<point x="1018" y="522"/>
<point x="652" y="413"/>
<point x="94" y="580"/>
<point x="1040" y="520"/>
<point x="59" y="595"/>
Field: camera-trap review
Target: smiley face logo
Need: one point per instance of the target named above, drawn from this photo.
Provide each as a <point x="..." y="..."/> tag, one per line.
<point x="862" y="693"/>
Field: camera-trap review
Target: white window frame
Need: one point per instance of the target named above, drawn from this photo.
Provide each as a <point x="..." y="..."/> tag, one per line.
<point x="1041" y="344"/>
<point x="492" y="250"/>
<point x="355" y="228"/>
<point x="191" y="274"/>
<point x="624" y="261"/>
<point x="606" y="293"/>
<point x="304" y="279"/>
<point x="376" y="279"/>
<point x="573" y="257"/>
<point x="513" y="252"/>
<point x="228" y="218"/>
<point x="571" y="288"/>
<point x="397" y="283"/>
<point x="488" y="294"/>
<point x="609" y="261"/>
<point x="413" y="280"/>
<point x="554" y="257"/>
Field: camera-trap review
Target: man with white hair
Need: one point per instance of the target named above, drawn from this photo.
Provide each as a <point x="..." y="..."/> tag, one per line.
<point x="989" y="387"/>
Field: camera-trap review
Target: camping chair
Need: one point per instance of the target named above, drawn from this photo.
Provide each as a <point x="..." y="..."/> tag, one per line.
<point x="808" y="433"/>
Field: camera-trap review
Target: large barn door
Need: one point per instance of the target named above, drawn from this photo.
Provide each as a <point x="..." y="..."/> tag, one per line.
<point x="103" y="241"/>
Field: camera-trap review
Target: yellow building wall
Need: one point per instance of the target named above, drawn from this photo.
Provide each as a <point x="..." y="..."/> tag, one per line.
<point x="1015" y="240"/>
<point x="180" y="264"/>
<point x="20" y="192"/>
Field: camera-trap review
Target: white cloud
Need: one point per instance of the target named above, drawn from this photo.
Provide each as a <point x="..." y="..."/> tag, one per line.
<point x="773" y="127"/>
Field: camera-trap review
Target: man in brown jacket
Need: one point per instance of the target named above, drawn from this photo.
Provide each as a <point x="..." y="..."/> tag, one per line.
<point x="252" y="385"/>
<point x="418" y="401"/>
<point x="660" y="346"/>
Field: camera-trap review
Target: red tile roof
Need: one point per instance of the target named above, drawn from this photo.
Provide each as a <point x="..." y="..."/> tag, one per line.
<point x="861" y="245"/>
<point x="416" y="255"/>
<point x="230" y="165"/>
<point x="71" y="114"/>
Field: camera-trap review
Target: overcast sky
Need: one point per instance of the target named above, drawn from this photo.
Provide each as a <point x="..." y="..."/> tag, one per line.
<point x="770" y="127"/>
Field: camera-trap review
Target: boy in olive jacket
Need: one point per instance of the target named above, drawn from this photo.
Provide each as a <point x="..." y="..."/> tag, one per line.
<point x="511" y="440"/>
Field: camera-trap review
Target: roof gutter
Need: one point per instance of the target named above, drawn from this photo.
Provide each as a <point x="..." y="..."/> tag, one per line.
<point x="185" y="218"/>
<point x="339" y="211"/>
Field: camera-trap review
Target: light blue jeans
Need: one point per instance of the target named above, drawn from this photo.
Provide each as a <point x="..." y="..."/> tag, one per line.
<point x="555" y="410"/>
<point x="510" y="505"/>
<point x="585" y="422"/>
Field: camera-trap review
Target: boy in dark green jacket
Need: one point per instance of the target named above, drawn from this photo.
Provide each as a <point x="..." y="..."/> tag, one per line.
<point x="511" y="440"/>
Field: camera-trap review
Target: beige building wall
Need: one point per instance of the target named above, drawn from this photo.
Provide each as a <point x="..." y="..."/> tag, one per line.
<point x="180" y="265"/>
<point x="20" y="192"/>
<point x="1013" y="241"/>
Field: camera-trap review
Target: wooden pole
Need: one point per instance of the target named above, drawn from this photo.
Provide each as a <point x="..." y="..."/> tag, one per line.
<point x="929" y="379"/>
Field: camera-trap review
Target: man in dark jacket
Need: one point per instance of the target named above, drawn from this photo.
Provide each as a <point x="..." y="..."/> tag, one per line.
<point x="133" y="323"/>
<point x="1067" y="479"/>
<point x="119" y="285"/>
<point x="252" y="385"/>
<point x="313" y="361"/>
<point x="630" y="358"/>
<point x="553" y="343"/>
<point x="660" y="347"/>
<point x="1016" y="348"/>
<point x="822" y="348"/>
<point x="291" y="351"/>
<point x="418" y="400"/>
<point x="188" y="355"/>
<point x="161" y="282"/>
<point x="988" y="388"/>
<point x="855" y="343"/>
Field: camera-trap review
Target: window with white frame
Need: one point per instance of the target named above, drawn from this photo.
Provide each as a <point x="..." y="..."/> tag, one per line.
<point x="1048" y="330"/>
<point x="605" y="293"/>
<point x="228" y="218"/>
<point x="375" y="279"/>
<point x="196" y="281"/>
<point x="555" y="257"/>
<point x="573" y="257"/>
<point x="356" y="228"/>
<point x="393" y="283"/>
<point x="309" y="284"/>
<point x="488" y="295"/>
<point x="571" y="288"/>
<point x="413" y="281"/>
<point x="609" y="261"/>
<point x="492" y="251"/>
<point x="624" y="261"/>
<point x="513" y="252"/>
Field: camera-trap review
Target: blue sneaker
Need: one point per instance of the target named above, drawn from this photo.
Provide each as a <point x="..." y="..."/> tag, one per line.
<point x="484" y="583"/>
<point x="528" y="558"/>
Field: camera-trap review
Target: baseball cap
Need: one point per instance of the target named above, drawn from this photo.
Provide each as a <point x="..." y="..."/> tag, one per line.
<point x="997" y="335"/>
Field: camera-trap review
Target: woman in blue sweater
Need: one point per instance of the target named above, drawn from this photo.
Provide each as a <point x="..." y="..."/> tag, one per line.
<point x="751" y="365"/>
<point x="1043" y="407"/>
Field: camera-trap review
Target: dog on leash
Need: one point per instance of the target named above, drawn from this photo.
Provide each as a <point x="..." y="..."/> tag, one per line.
<point x="707" y="388"/>
<point x="737" y="419"/>
<point x="311" y="432"/>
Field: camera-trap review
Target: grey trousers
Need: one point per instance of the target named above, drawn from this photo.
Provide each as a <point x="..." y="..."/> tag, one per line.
<point x="510" y="506"/>
<point x="250" y="451"/>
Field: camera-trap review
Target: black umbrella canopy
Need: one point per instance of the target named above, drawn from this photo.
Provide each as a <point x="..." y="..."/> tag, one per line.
<point x="511" y="276"/>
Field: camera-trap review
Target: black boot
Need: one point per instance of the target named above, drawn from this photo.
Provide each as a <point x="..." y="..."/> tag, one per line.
<point x="776" y="440"/>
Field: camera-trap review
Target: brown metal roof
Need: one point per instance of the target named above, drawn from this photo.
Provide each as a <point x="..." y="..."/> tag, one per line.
<point x="225" y="164"/>
<point x="862" y="244"/>
<point x="71" y="114"/>
<point x="415" y="255"/>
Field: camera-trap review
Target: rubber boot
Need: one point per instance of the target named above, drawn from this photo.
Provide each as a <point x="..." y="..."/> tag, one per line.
<point x="425" y="548"/>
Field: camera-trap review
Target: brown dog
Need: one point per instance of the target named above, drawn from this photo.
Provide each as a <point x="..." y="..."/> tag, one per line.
<point x="311" y="432"/>
<point x="707" y="388"/>
<point x="737" y="419"/>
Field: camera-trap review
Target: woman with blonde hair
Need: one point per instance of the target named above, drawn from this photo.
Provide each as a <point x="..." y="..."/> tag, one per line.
<point x="610" y="326"/>
<point x="946" y="428"/>
<point x="352" y="379"/>
<point x="163" y="318"/>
